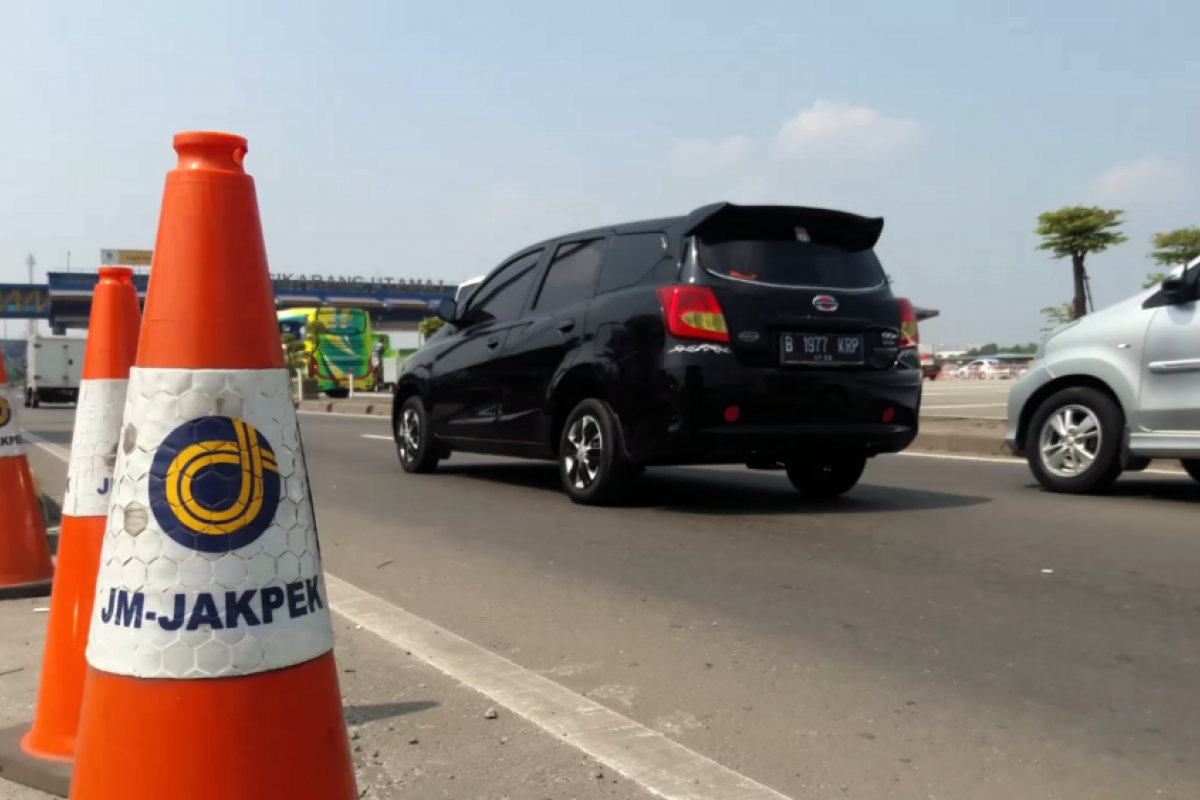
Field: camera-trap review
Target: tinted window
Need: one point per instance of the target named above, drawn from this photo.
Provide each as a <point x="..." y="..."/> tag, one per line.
<point x="503" y="297"/>
<point x="630" y="259"/>
<point x="792" y="263"/>
<point x="571" y="276"/>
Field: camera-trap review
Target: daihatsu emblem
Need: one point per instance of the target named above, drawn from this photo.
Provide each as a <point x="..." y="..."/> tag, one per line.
<point x="824" y="302"/>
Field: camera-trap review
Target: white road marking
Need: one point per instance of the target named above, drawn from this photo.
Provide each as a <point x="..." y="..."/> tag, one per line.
<point x="971" y="405"/>
<point x="646" y="757"/>
<point x="1002" y="460"/>
<point x="52" y="449"/>
<point x="347" y="416"/>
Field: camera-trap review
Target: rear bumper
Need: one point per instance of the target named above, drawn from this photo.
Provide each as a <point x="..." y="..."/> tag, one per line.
<point x="780" y="414"/>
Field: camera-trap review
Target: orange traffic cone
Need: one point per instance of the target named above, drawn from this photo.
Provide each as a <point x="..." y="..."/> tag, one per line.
<point x="25" y="566"/>
<point x="112" y="345"/>
<point x="211" y="637"/>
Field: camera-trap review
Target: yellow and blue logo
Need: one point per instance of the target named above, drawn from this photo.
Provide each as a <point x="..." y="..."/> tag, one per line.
<point x="5" y="411"/>
<point x="214" y="484"/>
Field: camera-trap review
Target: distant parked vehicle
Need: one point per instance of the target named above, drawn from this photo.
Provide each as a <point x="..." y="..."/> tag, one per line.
<point x="54" y="370"/>
<point x="1111" y="391"/>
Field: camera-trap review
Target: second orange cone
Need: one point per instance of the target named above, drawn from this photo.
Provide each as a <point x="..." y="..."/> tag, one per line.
<point x="111" y="349"/>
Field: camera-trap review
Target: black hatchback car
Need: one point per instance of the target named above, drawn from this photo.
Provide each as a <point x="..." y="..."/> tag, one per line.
<point x="759" y="335"/>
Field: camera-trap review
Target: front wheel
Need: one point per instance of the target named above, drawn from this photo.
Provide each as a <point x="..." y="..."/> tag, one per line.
<point x="1074" y="441"/>
<point x="828" y="476"/>
<point x="1192" y="467"/>
<point x="415" y="445"/>
<point x="594" y="471"/>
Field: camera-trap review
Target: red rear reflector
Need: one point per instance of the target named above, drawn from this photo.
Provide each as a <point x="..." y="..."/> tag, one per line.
<point x="692" y="312"/>
<point x="909" y="335"/>
<point x="732" y="413"/>
<point x="889" y="415"/>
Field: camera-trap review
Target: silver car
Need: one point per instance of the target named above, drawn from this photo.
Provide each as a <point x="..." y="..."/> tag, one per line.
<point x="1109" y="392"/>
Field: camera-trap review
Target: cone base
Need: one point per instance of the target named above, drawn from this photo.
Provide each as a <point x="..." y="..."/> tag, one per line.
<point x="64" y="665"/>
<point x="276" y="734"/>
<point x="51" y="776"/>
<point x="23" y="591"/>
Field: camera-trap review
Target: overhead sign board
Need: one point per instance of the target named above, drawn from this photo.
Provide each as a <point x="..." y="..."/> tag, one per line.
<point x="126" y="258"/>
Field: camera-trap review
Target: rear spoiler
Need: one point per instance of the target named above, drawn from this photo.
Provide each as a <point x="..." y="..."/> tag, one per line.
<point x="725" y="221"/>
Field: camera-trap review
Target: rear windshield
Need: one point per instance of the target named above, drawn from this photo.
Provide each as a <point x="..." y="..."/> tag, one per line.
<point x="343" y="323"/>
<point x="792" y="263"/>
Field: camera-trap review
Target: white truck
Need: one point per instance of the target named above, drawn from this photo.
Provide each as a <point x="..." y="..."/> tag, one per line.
<point x="53" y="370"/>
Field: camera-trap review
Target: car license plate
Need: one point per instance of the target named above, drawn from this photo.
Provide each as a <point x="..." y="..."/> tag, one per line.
<point x="820" y="348"/>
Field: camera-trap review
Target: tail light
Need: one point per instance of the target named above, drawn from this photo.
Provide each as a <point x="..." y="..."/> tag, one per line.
<point x="909" y="336"/>
<point x="693" y="312"/>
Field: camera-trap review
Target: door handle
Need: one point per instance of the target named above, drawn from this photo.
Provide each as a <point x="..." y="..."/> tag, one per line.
<point x="493" y="343"/>
<point x="567" y="327"/>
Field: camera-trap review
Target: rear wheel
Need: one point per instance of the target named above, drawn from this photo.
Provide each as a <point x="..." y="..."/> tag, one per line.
<point x="826" y="476"/>
<point x="415" y="445"/>
<point x="1074" y="441"/>
<point x="1192" y="467"/>
<point x="337" y="394"/>
<point x="593" y="470"/>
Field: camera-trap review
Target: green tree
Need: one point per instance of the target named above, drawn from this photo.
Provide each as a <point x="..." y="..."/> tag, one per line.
<point x="1057" y="315"/>
<point x="1172" y="249"/>
<point x="429" y="326"/>
<point x="1074" y="232"/>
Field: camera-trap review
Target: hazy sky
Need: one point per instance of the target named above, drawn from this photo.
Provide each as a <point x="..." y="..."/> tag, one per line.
<point x="430" y="140"/>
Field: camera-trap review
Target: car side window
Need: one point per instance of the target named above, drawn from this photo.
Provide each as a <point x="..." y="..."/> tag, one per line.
<point x="503" y="297"/>
<point x="630" y="260"/>
<point x="571" y="276"/>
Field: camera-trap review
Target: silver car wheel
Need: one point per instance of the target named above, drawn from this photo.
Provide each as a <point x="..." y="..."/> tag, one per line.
<point x="409" y="435"/>
<point x="1070" y="441"/>
<point x="584" y="452"/>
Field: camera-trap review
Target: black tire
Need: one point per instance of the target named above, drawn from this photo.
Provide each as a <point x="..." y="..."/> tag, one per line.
<point x="826" y="476"/>
<point x="592" y="423"/>
<point x="36" y="402"/>
<point x="337" y="394"/>
<point x="417" y="449"/>
<point x="1105" y="466"/>
<point x="1192" y="467"/>
<point x="28" y="396"/>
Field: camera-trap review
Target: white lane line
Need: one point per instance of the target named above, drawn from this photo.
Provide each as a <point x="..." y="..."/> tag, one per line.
<point x="1001" y="460"/>
<point x="52" y="449"/>
<point x="646" y="757"/>
<point x="969" y="405"/>
<point x="337" y="415"/>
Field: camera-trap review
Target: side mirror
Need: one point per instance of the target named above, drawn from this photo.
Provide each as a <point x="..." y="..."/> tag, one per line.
<point x="446" y="310"/>
<point x="1175" y="289"/>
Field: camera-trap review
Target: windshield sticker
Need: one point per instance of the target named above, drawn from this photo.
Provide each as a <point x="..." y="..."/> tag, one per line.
<point x="802" y="235"/>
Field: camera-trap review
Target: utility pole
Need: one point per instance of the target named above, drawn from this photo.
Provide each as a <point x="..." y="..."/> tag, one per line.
<point x="31" y="328"/>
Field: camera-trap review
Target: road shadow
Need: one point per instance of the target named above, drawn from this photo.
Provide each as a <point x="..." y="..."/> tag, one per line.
<point x="1180" y="490"/>
<point x="717" y="492"/>
<point x="362" y="714"/>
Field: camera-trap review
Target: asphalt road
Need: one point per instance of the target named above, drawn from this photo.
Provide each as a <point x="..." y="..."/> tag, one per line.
<point x="945" y="631"/>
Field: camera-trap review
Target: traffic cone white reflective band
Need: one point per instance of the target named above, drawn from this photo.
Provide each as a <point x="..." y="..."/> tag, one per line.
<point x="210" y="565"/>
<point x="12" y="441"/>
<point x="94" y="447"/>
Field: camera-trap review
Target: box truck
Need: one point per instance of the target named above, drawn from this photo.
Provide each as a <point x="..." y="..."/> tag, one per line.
<point x="53" y="370"/>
